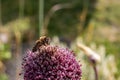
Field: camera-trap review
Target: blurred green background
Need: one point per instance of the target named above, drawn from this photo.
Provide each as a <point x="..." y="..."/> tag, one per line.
<point x="94" y="23"/>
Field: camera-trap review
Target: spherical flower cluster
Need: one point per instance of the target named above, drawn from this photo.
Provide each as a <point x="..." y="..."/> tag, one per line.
<point x="51" y="63"/>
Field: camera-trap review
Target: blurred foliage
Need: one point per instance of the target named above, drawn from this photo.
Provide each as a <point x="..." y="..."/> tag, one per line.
<point x="64" y="19"/>
<point x="107" y="13"/>
<point x="4" y="52"/>
<point x="3" y="77"/>
<point x="11" y="13"/>
<point x="107" y="16"/>
<point x="96" y="21"/>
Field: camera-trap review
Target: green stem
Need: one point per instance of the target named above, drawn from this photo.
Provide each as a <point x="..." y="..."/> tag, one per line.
<point x="41" y="16"/>
<point x="96" y="72"/>
<point x="21" y="8"/>
<point x="0" y="13"/>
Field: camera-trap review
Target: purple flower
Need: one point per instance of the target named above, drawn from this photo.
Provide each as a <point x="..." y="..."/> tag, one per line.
<point x="51" y="63"/>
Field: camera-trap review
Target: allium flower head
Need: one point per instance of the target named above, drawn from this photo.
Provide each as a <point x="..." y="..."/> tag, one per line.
<point x="50" y="63"/>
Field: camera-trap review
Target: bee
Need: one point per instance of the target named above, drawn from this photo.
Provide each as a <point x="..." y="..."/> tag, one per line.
<point x="43" y="40"/>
